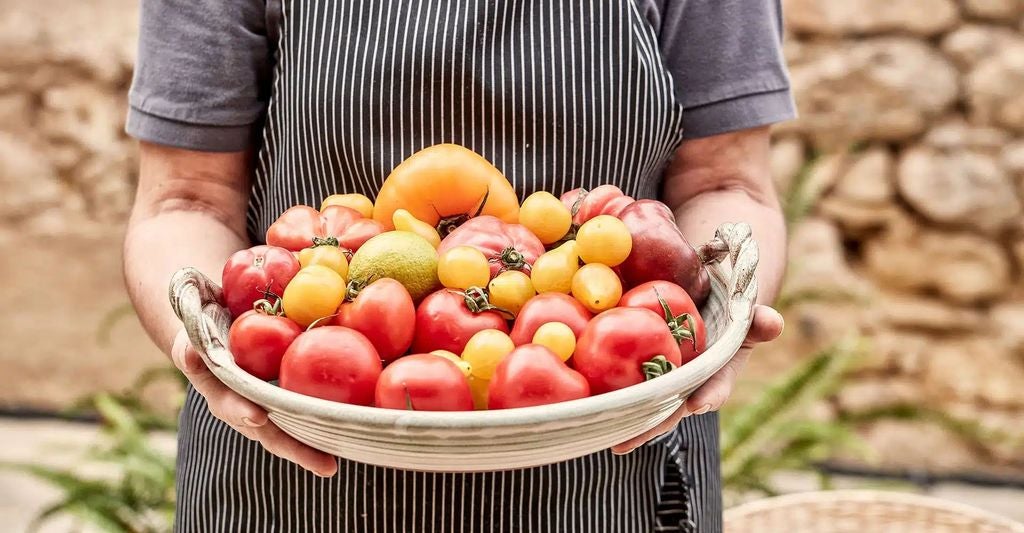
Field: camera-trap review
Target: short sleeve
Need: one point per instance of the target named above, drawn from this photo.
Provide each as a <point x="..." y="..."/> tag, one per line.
<point x="726" y="61"/>
<point x="201" y="79"/>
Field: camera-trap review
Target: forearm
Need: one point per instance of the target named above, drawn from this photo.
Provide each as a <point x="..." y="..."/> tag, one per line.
<point x="700" y="216"/>
<point x="158" y="246"/>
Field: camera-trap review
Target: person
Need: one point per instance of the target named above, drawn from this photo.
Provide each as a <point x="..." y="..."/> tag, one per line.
<point x="246" y="107"/>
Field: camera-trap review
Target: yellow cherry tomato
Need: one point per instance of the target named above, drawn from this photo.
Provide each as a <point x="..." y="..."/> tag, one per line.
<point x="326" y="255"/>
<point x="485" y="350"/>
<point x="463" y="366"/>
<point x="353" y="201"/>
<point x="546" y="216"/>
<point x="314" y="293"/>
<point x="553" y="271"/>
<point x="404" y="221"/>
<point x="478" y="387"/>
<point x="597" y="287"/>
<point x="463" y="267"/>
<point x="558" y="337"/>
<point x="510" y="290"/>
<point x="604" y="239"/>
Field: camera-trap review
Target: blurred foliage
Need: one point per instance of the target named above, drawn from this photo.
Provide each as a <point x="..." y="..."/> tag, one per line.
<point x="134" y="491"/>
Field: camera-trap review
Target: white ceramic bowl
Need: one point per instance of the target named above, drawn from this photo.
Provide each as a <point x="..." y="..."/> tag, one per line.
<point x="486" y="440"/>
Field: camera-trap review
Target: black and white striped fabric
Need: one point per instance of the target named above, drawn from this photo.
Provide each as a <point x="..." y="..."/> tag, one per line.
<point x="557" y="94"/>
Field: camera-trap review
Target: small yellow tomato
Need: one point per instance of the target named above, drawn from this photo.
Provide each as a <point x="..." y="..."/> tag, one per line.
<point x="314" y="293"/>
<point x="405" y="221"/>
<point x="478" y="387"/>
<point x="358" y="202"/>
<point x="605" y="240"/>
<point x="485" y="350"/>
<point x="510" y="290"/>
<point x="463" y="366"/>
<point x="553" y="271"/>
<point x="546" y="216"/>
<point x="326" y="255"/>
<point x="597" y="287"/>
<point x="463" y="267"/>
<point x="558" y="337"/>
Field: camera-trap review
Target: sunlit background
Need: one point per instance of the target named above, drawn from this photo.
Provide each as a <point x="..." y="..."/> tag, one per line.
<point x="902" y="366"/>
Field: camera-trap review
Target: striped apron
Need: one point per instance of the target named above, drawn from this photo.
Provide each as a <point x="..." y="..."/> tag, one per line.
<point x="557" y="94"/>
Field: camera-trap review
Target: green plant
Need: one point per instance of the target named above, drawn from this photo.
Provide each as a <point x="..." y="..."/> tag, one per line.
<point x="772" y="433"/>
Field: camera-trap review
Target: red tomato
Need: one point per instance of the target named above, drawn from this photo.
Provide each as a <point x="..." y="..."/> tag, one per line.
<point x="549" y="307"/>
<point x="533" y="375"/>
<point x="258" y="341"/>
<point x="660" y="251"/>
<point x="615" y="345"/>
<point x="250" y="274"/>
<point x="334" y="363"/>
<point x="445" y="321"/>
<point x="424" y="382"/>
<point x="384" y="312"/>
<point x="683" y="319"/>
<point x="506" y="246"/>
<point x="603" y="200"/>
<point x="296" y="228"/>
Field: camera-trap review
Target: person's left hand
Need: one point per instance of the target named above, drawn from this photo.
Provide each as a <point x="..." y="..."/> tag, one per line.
<point x="766" y="326"/>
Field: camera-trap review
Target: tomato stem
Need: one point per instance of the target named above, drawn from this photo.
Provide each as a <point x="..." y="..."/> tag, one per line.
<point x="511" y="259"/>
<point x="326" y="241"/>
<point x="317" y="322"/>
<point x="580" y="196"/>
<point x="682" y="326"/>
<point x="658" y="366"/>
<point x="408" y="398"/>
<point x="446" y="225"/>
<point x="478" y="302"/>
<point x="264" y="306"/>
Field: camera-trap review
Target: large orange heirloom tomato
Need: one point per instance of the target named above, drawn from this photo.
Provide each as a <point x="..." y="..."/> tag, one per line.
<point x="301" y="225"/>
<point x="444" y="185"/>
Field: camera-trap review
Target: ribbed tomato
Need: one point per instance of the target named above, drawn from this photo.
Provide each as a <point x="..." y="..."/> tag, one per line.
<point x="302" y="226"/>
<point x="506" y="246"/>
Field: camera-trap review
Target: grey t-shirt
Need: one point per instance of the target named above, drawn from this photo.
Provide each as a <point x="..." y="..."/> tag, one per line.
<point x="202" y="79"/>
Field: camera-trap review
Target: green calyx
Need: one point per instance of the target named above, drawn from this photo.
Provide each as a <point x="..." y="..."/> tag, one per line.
<point x="681" y="326"/>
<point x="511" y="259"/>
<point x="658" y="366"/>
<point x="477" y="301"/>
<point x="446" y="225"/>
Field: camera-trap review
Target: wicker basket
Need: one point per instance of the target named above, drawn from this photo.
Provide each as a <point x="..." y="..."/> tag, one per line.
<point x="863" y="511"/>
<point x="486" y="440"/>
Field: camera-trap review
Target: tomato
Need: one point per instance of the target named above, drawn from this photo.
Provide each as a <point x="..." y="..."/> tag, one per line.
<point x="558" y="338"/>
<point x="314" y="293"/>
<point x="603" y="239"/>
<point x="506" y="246"/>
<point x="485" y="350"/>
<point x="362" y="204"/>
<point x="549" y="307"/>
<point x="382" y="311"/>
<point x="423" y="382"/>
<point x="334" y="363"/>
<point x="404" y="221"/>
<point x="296" y="227"/>
<point x="661" y="251"/>
<point x="479" y="389"/>
<point x="597" y="287"/>
<point x="444" y="185"/>
<point x="258" y="340"/>
<point x="463" y="366"/>
<point x="463" y="267"/>
<point x="603" y="200"/>
<point x="250" y="275"/>
<point x="511" y="290"/>
<point x="553" y="271"/>
<point x="545" y="216"/>
<point x="533" y="375"/>
<point x="325" y="252"/>
<point x="623" y="347"/>
<point x="446" y="319"/>
<point x="681" y="314"/>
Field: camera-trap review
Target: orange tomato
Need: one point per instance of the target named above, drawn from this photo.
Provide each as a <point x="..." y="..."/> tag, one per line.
<point x="446" y="182"/>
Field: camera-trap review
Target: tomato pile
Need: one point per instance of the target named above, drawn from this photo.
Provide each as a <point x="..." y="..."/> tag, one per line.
<point x="447" y="294"/>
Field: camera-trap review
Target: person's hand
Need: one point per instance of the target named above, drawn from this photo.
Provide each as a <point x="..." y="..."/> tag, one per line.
<point x="244" y="416"/>
<point x="766" y="326"/>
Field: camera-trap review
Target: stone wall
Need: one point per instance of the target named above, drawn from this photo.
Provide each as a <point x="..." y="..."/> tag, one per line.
<point x="909" y="152"/>
<point x="912" y="127"/>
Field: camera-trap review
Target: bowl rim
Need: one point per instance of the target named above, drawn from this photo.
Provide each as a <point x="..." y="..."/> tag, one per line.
<point x="196" y="301"/>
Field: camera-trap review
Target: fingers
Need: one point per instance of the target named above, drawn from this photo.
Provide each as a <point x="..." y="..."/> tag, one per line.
<point x="713" y="393"/>
<point x="766" y="326"/>
<point x="284" y="446"/>
<point x="657" y="431"/>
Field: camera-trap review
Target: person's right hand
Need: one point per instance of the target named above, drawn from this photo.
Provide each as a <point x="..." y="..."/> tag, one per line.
<point x="244" y="416"/>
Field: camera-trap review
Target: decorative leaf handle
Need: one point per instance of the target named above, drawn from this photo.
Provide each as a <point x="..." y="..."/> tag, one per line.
<point x="735" y="241"/>
<point x="197" y="302"/>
